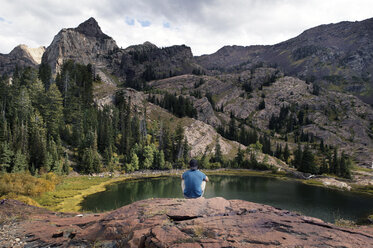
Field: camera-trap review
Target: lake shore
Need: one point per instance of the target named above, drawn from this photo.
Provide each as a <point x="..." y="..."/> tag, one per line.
<point x="68" y="196"/>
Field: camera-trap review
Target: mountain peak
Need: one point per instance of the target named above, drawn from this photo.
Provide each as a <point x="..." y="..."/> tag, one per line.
<point x="35" y="54"/>
<point x="91" y="28"/>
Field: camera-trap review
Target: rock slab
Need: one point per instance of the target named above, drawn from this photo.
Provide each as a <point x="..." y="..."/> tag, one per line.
<point x="214" y="222"/>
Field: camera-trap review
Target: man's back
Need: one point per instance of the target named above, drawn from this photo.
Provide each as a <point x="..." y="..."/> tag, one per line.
<point x="193" y="180"/>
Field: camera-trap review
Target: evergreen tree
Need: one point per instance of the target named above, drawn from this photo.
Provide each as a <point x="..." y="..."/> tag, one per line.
<point x="297" y="162"/>
<point x="53" y="110"/>
<point x="308" y="162"/>
<point x="286" y="153"/>
<point x="148" y="157"/>
<point x="324" y="167"/>
<point x="162" y="162"/>
<point x="262" y="105"/>
<point x="45" y="74"/>
<point x="218" y="153"/>
<point x="134" y="161"/>
<point x="278" y="152"/>
<point x="232" y="131"/>
<point x="186" y="150"/>
<point x="334" y="165"/>
<point x="345" y="165"/>
<point x="6" y="156"/>
<point x="240" y="156"/>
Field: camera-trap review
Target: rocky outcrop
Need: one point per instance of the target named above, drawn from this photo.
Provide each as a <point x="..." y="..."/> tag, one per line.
<point x="203" y="138"/>
<point x="87" y="44"/>
<point x="147" y="62"/>
<point x="84" y="44"/>
<point x="22" y="56"/>
<point x="214" y="222"/>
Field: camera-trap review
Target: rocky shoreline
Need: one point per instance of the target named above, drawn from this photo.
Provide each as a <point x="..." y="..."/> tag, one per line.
<point x="214" y="222"/>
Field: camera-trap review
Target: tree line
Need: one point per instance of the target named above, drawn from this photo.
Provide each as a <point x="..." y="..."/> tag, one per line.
<point x="52" y="125"/>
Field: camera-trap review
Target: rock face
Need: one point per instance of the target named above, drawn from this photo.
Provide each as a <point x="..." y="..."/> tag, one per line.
<point x="214" y="222"/>
<point x="84" y="44"/>
<point x="88" y="44"/>
<point x="341" y="54"/>
<point x="23" y="56"/>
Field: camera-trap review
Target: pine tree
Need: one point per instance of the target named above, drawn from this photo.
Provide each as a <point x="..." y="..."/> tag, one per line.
<point x="45" y="74"/>
<point x="286" y="153"/>
<point x="334" y="168"/>
<point x="345" y="164"/>
<point x="134" y="161"/>
<point x="179" y="137"/>
<point x="162" y="162"/>
<point x="240" y="156"/>
<point x="322" y="147"/>
<point x="65" y="167"/>
<point x="324" y="167"/>
<point x="297" y="162"/>
<point x="186" y="150"/>
<point x="53" y="110"/>
<point x="148" y="157"/>
<point x="262" y="105"/>
<point x="278" y="152"/>
<point x="218" y="153"/>
<point x="6" y="156"/>
<point x="308" y="162"/>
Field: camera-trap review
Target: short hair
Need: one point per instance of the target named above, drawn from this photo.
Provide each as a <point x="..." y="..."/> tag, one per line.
<point x="193" y="164"/>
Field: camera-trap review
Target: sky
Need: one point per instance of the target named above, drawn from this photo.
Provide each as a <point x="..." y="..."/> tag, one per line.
<point x="203" y="25"/>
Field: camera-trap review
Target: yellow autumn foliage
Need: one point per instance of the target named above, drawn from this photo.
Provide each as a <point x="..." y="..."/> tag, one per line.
<point x="26" y="184"/>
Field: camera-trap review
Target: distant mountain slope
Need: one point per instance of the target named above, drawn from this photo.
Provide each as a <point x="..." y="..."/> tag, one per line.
<point x="340" y="54"/>
<point x="339" y="119"/>
<point x="22" y="56"/>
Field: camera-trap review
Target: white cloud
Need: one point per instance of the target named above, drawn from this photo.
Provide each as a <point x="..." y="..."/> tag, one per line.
<point x="204" y="25"/>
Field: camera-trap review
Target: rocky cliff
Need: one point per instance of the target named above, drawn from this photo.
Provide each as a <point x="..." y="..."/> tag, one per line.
<point x="340" y="54"/>
<point x="84" y="44"/>
<point x="87" y="44"/>
<point x="214" y="222"/>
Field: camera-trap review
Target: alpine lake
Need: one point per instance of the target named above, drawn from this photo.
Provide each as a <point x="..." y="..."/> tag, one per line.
<point x="324" y="203"/>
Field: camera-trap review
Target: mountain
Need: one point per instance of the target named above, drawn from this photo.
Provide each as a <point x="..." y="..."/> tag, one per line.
<point x="338" y="56"/>
<point x="281" y="95"/>
<point x="87" y="44"/>
<point x="22" y="56"/>
<point x="339" y="119"/>
<point x="84" y="44"/>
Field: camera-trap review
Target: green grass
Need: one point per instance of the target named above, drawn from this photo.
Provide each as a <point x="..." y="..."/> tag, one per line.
<point x="366" y="189"/>
<point x="69" y="188"/>
<point x="359" y="168"/>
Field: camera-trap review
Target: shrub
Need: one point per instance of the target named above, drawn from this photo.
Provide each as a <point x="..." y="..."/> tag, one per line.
<point x="27" y="185"/>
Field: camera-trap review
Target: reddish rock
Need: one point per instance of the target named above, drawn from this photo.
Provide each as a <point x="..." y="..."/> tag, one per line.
<point x="214" y="222"/>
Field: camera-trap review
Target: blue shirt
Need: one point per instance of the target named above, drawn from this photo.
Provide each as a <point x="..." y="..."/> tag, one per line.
<point x="193" y="180"/>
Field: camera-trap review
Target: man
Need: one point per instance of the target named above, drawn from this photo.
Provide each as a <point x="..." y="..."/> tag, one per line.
<point x="193" y="181"/>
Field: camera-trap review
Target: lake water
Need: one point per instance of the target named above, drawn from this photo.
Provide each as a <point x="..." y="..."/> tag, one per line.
<point x="323" y="203"/>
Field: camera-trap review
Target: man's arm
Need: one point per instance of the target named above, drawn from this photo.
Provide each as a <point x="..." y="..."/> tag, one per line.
<point x="206" y="179"/>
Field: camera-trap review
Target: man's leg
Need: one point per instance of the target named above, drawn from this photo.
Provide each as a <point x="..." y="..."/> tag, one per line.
<point x="203" y="186"/>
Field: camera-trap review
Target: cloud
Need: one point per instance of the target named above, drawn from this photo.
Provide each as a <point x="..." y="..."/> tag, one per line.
<point x="204" y="25"/>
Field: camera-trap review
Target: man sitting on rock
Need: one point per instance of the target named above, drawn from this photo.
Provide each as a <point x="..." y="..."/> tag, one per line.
<point x="193" y="181"/>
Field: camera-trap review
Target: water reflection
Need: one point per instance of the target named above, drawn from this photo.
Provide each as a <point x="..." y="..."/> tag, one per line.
<point x="319" y="202"/>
